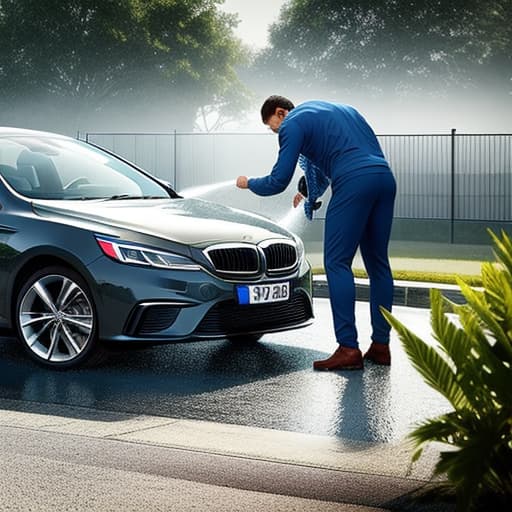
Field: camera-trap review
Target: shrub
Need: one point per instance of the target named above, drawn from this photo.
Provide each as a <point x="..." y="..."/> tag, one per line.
<point x="471" y="365"/>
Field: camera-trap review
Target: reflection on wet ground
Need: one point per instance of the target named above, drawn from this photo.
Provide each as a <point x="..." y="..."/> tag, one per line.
<point x="269" y="384"/>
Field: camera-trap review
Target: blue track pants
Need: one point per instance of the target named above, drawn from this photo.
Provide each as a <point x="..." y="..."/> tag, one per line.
<point x="360" y="214"/>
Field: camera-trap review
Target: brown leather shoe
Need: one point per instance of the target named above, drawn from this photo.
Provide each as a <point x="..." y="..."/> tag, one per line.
<point x="344" y="358"/>
<point x="379" y="353"/>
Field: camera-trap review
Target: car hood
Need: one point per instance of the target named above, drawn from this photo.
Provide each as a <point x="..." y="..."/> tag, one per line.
<point x="188" y="221"/>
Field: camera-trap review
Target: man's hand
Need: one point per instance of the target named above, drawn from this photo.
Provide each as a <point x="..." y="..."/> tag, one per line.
<point x="241" y="182"/>
<point x="297" y="199"/>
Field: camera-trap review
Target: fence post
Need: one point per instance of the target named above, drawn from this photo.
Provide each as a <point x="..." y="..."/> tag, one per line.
<point x="174" y="185"/>
<point x="452" y="187"/>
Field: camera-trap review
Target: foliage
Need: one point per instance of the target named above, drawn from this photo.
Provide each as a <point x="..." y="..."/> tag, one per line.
<point x="416" y="276"/>
<point x="428" y="277"/>
<point x="472" y="368"/>
<point x="395" y="46"/>
<point x="163" y="58"/>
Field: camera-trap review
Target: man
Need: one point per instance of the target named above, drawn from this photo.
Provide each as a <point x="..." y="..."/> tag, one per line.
<point x="335" y="145"/>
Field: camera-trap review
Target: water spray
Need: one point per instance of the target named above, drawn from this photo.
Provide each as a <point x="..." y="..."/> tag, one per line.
<point x="202" y="190"/>
<point x="294" y="220"/>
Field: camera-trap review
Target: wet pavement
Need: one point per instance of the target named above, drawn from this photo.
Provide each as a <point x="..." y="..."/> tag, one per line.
<point x="268" y="385"/>
<point x="219" y="425"/>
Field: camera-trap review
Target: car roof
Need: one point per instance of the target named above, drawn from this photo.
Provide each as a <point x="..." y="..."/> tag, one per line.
<point x="9" y="131"/>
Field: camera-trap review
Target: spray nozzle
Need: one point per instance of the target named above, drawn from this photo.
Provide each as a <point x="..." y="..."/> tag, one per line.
<point x="303" y="189"/>
<point x="302" y="186"/>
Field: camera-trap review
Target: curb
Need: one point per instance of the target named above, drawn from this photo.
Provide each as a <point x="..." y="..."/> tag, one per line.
<point x="365" y="475"/>
<point x="406" y="293"/>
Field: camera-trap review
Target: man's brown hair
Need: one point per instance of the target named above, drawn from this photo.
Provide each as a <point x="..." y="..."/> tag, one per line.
<point x="271" y="103"/>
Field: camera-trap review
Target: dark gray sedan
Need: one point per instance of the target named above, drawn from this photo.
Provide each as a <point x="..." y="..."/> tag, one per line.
<point x="94" y="251"/>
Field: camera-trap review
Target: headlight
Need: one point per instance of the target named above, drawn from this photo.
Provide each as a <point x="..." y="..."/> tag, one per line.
<point x="300" y="248"/>
<point x="301" y="255"/>
<point x="139" y="255"/>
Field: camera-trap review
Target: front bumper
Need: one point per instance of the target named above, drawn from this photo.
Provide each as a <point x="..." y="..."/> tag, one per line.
<point x="162" y="306"/>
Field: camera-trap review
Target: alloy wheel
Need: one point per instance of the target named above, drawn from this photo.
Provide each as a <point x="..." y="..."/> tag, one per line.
<point x="56" y="318"/>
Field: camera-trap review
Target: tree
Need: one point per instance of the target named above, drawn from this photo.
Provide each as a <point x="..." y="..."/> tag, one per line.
<point x="145" y="63"/>
<point x="391" y="46"/>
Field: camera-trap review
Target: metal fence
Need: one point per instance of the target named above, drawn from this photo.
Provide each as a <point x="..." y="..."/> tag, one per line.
<point x="459" y="177"/>
<point x="452" y="177"/>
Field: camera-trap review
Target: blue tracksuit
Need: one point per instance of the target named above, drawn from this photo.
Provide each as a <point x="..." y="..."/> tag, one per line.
<point x="340" y="144"/>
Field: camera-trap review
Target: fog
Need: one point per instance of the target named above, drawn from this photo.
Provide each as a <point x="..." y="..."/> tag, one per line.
<point x="405" y="105"/>
<point x="467" y="111"/>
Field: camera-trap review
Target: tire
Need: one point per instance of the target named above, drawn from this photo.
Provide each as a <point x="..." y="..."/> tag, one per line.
<point x="245" y="338"/>
<point x="56" y="319"/>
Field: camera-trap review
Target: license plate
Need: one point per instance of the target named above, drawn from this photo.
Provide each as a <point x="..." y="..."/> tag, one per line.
<point x="263" y="293"/>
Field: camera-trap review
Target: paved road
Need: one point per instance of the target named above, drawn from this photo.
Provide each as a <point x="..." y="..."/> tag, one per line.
<point x="216" y="426"/>
<point x="270" y="384"/>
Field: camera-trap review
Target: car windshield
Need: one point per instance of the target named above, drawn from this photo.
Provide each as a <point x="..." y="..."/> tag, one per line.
<point x="59" y="168"/>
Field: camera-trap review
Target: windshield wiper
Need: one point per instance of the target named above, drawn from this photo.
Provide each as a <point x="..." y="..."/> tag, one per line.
<point x="129" y="196"/>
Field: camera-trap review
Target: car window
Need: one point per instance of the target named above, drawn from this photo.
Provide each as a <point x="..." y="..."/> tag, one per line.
<point x="58" y="168"/>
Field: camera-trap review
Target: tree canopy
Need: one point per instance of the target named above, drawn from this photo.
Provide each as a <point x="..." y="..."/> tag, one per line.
<point x="135" y="64"/>
<point x="140" y="65"/>
<point x="397" y="46"/>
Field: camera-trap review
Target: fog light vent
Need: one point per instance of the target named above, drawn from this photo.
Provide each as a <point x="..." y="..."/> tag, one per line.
<point x="152" y="318"/>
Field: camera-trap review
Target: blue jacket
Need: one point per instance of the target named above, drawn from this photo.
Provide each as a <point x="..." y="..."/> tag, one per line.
<point x="336" y="143"/>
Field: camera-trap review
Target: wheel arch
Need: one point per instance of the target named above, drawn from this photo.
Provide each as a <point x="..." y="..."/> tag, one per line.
<point x="41" y="260"/>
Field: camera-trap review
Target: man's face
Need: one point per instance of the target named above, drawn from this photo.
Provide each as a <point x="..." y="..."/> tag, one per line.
<point x="275" y="120"/>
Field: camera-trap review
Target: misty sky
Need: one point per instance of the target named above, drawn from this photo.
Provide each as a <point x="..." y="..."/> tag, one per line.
<point x="468" y="110"/>
<point x="255" y="17"/>
<point x="485" y="113"/>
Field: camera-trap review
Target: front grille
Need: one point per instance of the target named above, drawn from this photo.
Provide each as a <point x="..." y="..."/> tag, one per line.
<point x="280" y="257"/>
<point x="153" y="319"/>
<point x="229" y="317"/>
<point x="235" y="259"/>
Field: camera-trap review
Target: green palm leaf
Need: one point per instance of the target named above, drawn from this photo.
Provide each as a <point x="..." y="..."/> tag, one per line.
<point x="434" y="369"/>
<point x="443" y="429"/>
<point x="490" y="376"/>
<point x="458" y="346"/>
<point x="481" y="308"/>
<point x="497" y="289"/>
<point x="503" y="249"/>
<point x="481" y="454"/>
